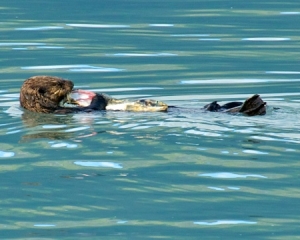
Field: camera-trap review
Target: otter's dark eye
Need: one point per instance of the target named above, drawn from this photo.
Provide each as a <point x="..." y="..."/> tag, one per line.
<point x="42" y="90"/>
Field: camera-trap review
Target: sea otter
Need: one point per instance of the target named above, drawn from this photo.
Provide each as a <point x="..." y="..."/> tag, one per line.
<point x="47" y="94"/>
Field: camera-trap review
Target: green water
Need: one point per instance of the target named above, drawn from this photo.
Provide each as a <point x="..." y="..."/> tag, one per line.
<point x="178" y="175"/>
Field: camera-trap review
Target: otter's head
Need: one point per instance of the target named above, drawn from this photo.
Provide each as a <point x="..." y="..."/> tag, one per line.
<point x="44" y="93"/>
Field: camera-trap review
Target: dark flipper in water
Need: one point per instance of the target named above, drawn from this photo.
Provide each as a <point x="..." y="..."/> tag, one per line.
<point x="212" y="107"/>
<point x="215" y="107"/>
<point x="254" y="106"/>
<point x="251" y="107"/>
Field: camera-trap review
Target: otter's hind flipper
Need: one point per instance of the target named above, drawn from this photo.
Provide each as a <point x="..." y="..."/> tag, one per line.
<point x="212" y="107"/>
<point x="254" y="106"/>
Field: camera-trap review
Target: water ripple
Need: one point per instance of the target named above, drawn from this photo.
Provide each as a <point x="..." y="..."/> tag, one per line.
<point x="289" y="13"/>
<point x="74" y="68"/>
<point x="190" y="35"/>
<point x="97" y="25"/>
<point x="209" y="39"/>
<point x="63" y="144"/>
<point x="142" y="54"/>
<point x="54" y="126"/>
<point x="266" y="39"/>
<point x="44" y="225"/>
<point x="230" y="175"/>
<point x="76" y="129"/>
<point x="99" y="69"/>
<point x="224" y="222"/>
<point x="283" y="72"/>
<point x="39" y="28"/>
<point x="241" y="81"/>
<point x="254" y="152"/>
<point x="161" y="25"/>
<point x="98" y="164"/>
<point x="203" y="133"/>
<point x="125" y="89"/>
<point x="21" y="44"/>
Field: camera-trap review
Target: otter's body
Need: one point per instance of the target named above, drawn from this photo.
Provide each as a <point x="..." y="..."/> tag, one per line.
<point x="47" y="94"/>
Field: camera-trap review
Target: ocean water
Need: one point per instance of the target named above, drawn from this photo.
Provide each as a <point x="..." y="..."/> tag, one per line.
<point x="184" y="174"/>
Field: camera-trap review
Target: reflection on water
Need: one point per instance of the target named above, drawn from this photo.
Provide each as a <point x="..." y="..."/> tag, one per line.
<point x="98" y="164"/>
<point x="224" y="222"/>
<point x="39" y="28"/>
<point x="75" y="68"/>
<point x="266" y="39"/>
<point x="152" y="175"/>
<point x="97" y="25"/>
<point x="6" y="154"/>
<point x="230" y="175"/>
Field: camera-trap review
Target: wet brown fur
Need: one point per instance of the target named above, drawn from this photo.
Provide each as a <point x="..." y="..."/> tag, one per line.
<point x="44" y="93"/>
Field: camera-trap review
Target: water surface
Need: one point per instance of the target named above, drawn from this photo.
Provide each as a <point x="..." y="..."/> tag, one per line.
<point x="176" y="175"/>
